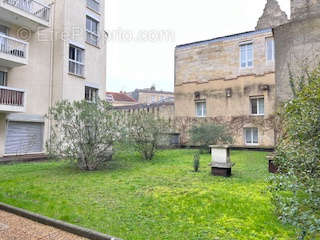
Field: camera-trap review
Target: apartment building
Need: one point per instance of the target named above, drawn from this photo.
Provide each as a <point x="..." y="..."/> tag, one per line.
<point x="49" y="51"/>
<point x="230" y="80"/>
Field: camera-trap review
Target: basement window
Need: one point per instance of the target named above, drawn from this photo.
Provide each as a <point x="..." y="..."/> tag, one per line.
<point x="251" y="136"/>
<point x="201" y="109"/>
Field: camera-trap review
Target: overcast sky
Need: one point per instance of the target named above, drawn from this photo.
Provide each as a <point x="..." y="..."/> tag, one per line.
<point x="144" y="33"/>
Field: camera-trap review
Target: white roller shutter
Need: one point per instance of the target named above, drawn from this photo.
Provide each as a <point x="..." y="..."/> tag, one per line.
<point x="24" y="137"/>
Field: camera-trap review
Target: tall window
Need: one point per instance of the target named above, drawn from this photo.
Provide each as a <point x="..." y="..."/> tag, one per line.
<point x="91" y="94"/>
<point x="251" y="136"/>
<point x="246" y="55"/>
<point x="270" y="49"/>
<point x="3" y="78"/>
<point x="153" y="99"/>
<point x="201" y="109"/>
<point x="257" y="105"/>
<point x="76" y="60"/>
<point x="92" y="31"/>
<point x="94" y="5"/>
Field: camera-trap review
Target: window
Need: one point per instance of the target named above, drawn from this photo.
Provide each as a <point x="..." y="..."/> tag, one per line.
<point x="94" y="5"/>
<point x="251" y="136"/>
<point x="91" y="94"/>
<point x="3" y="78"/>
<point x="201" y="109"/>
<point x="153" y="99"/>
<point x="76" y="60"/>
<point x="270" y="49"/>
<point x="246" y="55"/>
<point x="257" y="105"/>
<point x="92" y="31"/>
<point x="109" y="98"/>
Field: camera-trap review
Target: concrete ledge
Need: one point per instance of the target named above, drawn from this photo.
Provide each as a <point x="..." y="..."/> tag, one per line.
<point x="23" y="158"/>
<point x="67" y="227"/>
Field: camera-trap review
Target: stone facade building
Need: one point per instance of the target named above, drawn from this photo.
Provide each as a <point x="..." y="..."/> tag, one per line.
<point x="49" y="51"/>
<point x="230" y="80"/>
<point x="297" y="45"/>
<point x="150" y="95"/>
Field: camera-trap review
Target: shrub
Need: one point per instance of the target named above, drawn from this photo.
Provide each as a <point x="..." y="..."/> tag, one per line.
<point x="83" y="131"/>
<point x="145" y="132"/>
<point x="296" y="190"/>
<point x="196" y="162"/>
<point x="210" y="134"/>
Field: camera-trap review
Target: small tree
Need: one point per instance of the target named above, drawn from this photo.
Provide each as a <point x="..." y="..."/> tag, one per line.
<point x="210" y="134"/>
<point x="83" y="131"/>
<point x="296" y="190"/>
<point x="145" y="132"/>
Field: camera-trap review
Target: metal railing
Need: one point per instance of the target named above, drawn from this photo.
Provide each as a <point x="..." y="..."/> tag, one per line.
<point x="13" y="46"/>
<point x="33" y="7"/>
<point x="11" y="96"/>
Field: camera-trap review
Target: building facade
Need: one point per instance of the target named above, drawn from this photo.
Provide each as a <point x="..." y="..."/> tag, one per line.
<point x="49" y="51"/>
<point x="230" y="80"/>
<point x="120" y="99"/>
<point x="150" y="95"/>
<point x="297" y="46"/>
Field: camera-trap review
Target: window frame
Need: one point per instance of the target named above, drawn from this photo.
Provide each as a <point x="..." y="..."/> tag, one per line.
<point x="76" y="62"/>
<point x="92" y="33"/>
<point x="5" y="79"/>
<point x="92" y="98"/>
<point x="203" y="109"/>
<point x="246" y="44"/>
<point x="258" y="106"/>
<point x="273" y="50"/>
<point x="98" y="4"/>
<point x="251" y="129"/>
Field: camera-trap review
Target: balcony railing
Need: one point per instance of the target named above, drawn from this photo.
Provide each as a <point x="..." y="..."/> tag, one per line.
<point x="13" y="46"/>
<point x="33" y="7"/>
<point x="11" y="97"/>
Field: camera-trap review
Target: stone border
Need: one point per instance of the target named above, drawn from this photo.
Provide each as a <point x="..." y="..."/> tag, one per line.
<point x="67" y="227"/>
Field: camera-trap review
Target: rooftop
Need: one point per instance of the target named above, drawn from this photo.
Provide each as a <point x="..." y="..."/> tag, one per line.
<point x="120" y="97"/>
<point x="225" y="38"/>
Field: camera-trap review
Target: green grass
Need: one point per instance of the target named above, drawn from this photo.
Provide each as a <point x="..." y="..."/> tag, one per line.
<point x="162" y="199"/>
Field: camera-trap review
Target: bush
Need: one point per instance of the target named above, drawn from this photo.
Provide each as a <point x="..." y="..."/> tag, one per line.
<point x="145" y="132"/>
<point x="83" y="131"/>
<point x="296" y="190"/>
<point x="208" y="134"/>
<point x="196" y="161"/>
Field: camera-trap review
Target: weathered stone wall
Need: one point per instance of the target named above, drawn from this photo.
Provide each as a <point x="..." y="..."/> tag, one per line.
<point x="219" y="58"/>
<point x="272" y="16"/>
<point x="232" y="111"/>
<point x="211" y="68"/>
<point x="297" y="50"/>
<point x="301" y="9"/>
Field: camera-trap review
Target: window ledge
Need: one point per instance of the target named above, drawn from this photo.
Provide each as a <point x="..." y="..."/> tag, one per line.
<point x="76" y="75"/>
<point x="96" y="46"/>
<point x="257" y="115"/>
<point x="95" y="11"/>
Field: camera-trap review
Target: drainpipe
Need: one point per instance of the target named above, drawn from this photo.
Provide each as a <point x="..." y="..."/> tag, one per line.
<point x="52" y="9"/>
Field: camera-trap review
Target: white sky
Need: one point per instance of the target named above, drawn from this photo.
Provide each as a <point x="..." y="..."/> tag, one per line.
<point x="139" y="64"/>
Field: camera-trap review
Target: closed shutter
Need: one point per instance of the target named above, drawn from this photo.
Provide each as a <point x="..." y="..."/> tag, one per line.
<point x="24" y="137"/>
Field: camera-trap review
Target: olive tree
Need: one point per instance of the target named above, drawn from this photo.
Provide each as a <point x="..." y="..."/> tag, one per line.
<point x="207" y="134"/>
<point x="296" y="189"/>
<point x="145" y="133"/>
<point x="83" y="131"/>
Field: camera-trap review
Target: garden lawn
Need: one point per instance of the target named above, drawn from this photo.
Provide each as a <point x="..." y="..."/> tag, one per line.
<point x="161" y="199"/>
